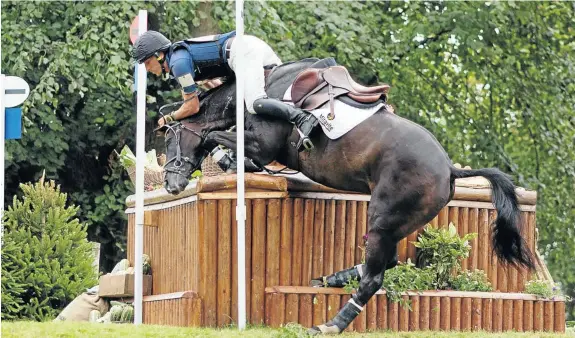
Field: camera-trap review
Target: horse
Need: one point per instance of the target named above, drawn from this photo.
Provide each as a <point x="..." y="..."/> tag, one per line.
<point x="403" y="167"/>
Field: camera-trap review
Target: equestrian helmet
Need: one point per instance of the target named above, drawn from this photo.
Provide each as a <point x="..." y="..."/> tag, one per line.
<point x="148" y="44"/>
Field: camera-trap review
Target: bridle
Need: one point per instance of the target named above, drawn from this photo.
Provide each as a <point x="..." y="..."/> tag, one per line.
<point x="179" y="160"/>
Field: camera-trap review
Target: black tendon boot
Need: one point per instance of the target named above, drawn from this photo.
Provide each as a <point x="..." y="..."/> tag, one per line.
<point x="340" y="278"/>
<point x="304" y="121"/>
<point x="344" y="317"/>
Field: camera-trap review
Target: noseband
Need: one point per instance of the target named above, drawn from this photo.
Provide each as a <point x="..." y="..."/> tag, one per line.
<point x="179" y="159"/>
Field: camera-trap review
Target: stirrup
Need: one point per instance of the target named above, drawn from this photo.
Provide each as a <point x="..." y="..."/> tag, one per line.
<point x="303" y="141"/>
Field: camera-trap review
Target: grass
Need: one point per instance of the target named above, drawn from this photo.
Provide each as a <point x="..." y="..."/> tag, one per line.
<point x="71" y="329"/>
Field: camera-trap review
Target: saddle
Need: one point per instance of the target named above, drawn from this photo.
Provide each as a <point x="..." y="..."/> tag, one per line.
<point x="312" y="88"/>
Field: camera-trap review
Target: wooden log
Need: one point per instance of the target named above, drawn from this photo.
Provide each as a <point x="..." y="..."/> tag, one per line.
<point x="402" y="250"/>
<point x="454" y="217"/>
<point x="292" y="308"/>
<point x="476" y="314"/>
<point x="371" y="314"/>
<point x="494" y="267"/>
<point x="273" y="242"/>
<point x="258" y="261"/>
<point x="443" y="218"/>
<point x="487" y="314"/>
<point x="424" y="313"/>
<point x="249" y="260"/>
<point x="318" y="239"/>
<point x="361" y="230"/>
<point x="329" y="239"/>
<point x="483" y="237"/>
<point x="512" y="278"/>
<point x="286" y="241"/>
<point x="393" y="315"/>
<point x="435" y="312"/>
<point x="538" y="314"/>
<point x="466" y="314"/>
<point x="272" y="256"/>
<point x="518" y="315"/>
<point x="277" y="317"/>
<point x="497" y="315"/>
<point x="411" y="249"/>
<point x="224" y="279"/>
<point x="308" y="240"/>
<point x="528" y="319"/>
<point x="306" y="310"/>
<point x="445" y="320"/>
<point x="559" y="318"/>
<point x="298" y="233"/>
<point x="414" y="315"/>
<point x="350" y="232"/>
<point x="252" y="181"/>
<point x="507" y="314"/>
<point x="404" y="316"/>
<point x="360" y="322"/>
<point x="340" y="226"/>
<point x="319" y="309"/>
<point x="333" y="305"/>
<point x="209" y="258"/>
<point x="474" y="254"/>
<point x="548" y="316"/>
<point x="434" y="222"/>
<point x="234" y="265"/>
<point x="381" y="312"/>
<point x="455" y="314"/>
<point x="464" y="230"/>
<point x="484" y="195"/>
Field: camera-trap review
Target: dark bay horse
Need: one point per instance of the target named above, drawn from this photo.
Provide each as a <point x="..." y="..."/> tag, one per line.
<point x="400" y="164"/>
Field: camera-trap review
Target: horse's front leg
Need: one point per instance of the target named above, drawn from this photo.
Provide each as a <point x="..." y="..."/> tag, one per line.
<point x="253" y="145"/>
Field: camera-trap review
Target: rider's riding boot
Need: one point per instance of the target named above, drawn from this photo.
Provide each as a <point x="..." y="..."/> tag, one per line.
<point x="304" y="121"/>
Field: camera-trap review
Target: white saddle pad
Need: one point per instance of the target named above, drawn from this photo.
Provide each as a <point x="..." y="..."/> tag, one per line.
<point x="346" y="116"/>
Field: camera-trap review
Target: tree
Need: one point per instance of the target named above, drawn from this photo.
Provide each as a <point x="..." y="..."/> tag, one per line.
<point x="46" y="258"/>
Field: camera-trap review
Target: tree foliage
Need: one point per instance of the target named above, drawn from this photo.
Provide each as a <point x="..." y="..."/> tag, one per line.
<point x="493" y="81"/>
<point x="46" y="258"/>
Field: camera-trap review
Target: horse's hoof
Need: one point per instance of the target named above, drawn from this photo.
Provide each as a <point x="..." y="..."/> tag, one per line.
<point x="314" y="331"/>
<point x="323" y="329"/>
<point x="317" y="283"/>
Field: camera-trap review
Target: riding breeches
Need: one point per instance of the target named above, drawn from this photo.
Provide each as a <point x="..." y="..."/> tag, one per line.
<point x="256" y="55"/>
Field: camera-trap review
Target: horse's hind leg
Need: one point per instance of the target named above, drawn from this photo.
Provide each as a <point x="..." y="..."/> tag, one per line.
<point x="340" y="278"/>
<point x="390" y="220"/>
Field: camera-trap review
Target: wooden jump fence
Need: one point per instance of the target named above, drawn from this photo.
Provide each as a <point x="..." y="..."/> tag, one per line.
<point x="297" y="230"/>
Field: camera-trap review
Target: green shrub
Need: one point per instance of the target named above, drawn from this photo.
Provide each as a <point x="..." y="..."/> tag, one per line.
<point x="407" y="277"/>
<point x="542" y="288"/>
<point x="443" y="250"/>
<point x="471" y="281"/>
<point x="46" y="258"/>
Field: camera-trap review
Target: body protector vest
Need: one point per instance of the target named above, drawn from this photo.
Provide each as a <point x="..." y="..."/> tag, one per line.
<point x="208" y="55"/>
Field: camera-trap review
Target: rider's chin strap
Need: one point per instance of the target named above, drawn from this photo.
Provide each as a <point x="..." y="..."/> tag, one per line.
<point x="162" y="60"/>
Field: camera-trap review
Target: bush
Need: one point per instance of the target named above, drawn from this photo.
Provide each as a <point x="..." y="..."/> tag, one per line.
<point x="46" y="258"/>
<point x="542" y="288"/>
<point x="443" y="249"/>
<point x="471" y="281"/>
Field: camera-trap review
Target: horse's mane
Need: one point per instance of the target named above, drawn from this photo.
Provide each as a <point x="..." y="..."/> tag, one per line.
<point x="215" y="103"/>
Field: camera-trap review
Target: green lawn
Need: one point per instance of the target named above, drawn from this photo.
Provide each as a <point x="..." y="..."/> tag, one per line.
<point x="68" y="329"/>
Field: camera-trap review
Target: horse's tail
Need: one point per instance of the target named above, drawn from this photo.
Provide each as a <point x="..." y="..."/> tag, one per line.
<point x="507" y="241"/>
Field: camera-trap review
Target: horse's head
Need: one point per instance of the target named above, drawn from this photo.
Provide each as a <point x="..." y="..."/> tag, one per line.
<point x="185" y="146"/>
<point x="184" y="153"/>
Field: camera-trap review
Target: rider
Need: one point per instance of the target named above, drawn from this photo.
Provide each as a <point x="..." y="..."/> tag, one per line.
<point x="214" y="56"/>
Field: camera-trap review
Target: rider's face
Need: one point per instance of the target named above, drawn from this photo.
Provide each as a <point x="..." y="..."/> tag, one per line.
<point x="153" y="66"/>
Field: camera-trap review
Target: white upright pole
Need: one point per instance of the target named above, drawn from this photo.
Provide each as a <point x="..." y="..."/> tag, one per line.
<point x="140" y="156"/>
<point x="2" y="144"/>
<point x="241" y="204"/>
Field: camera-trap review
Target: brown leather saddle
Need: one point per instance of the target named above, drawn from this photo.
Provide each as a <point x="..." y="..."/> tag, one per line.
<point x="312" y="88"/>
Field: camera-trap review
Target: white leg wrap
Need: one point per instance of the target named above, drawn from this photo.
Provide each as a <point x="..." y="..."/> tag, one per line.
<point x="354" y="303"/>
<point x="360" y="269"/>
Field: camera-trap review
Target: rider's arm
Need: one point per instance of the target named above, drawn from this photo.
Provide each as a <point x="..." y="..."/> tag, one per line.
<point x="182" y="68"/>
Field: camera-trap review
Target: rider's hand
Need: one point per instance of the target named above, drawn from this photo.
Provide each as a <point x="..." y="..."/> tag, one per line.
<point x="161" y="122"/>
<point x="165" y="119"/>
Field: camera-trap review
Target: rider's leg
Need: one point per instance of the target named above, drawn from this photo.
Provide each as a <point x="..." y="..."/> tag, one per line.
<point x="256" y="55"/>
